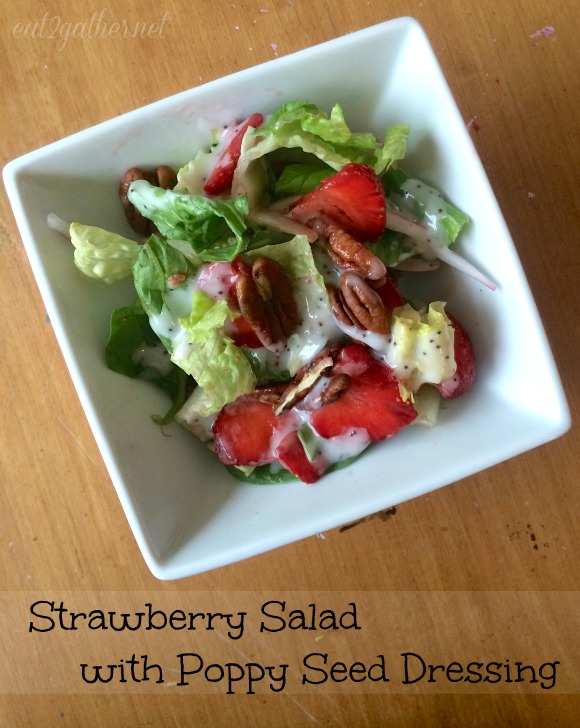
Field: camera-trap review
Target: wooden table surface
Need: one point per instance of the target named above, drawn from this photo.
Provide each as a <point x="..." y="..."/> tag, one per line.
<point x="484" y="570"/>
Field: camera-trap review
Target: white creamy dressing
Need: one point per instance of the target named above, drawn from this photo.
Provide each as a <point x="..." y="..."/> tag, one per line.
<point x="342" y="447"/>
<point x="191" y="420"/>
<point x="155" y="356"/>
<point x="214" y="279"/>
<point x="429" y="208"/>
<point x="325" y="265"/>
<point x="177" y="304"/>
<point x="332" y="449"/>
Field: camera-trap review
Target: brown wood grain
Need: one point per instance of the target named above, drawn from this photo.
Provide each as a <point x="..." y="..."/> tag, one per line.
<point x="511" y="528"/>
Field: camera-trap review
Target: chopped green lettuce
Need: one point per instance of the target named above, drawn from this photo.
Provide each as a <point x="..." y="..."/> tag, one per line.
<point x="134" y="350"/>
<point x="191" y="177"/>
<point x="158" y="262"/>
<point x="213" y="227"/>
<point x="422" y="346"/>
<point x="394" y="147"/>
<point x="300" y="124"/>
<point x="295" y="256"/>
<point x="309" y="440"/>
<point x="101" y="254"/>
<point x="266" y="372"/>
<point x="275" y="474"/>
<point x="250" y="176"/>
<point x="393" y="248"/>
<point x="209" y="355"/>
<point x="422" y="203"/>
<point x="426" y="400"/>
<point x="298" y="179"/>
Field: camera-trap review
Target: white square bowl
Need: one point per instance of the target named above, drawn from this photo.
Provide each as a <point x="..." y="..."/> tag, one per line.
<point x="186" y="512"/>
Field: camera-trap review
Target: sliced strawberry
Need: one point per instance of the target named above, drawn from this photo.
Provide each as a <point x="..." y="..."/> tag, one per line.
<point x="243" y="334"/>
<point x="353" y="199"/>
<point x="390" y="294"/>
<point x="239" y="265"/>
<point x="243" y="432"/>
<point x="221" y="177"/>
<point x="291" y="455"/>
<point x="372" y="402"/>
<point x="353" y="360"/>
<point x="217" y="280"/>
<point x="466" y="372"/>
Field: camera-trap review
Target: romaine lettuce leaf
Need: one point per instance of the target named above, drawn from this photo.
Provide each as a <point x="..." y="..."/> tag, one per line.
<point x="191" y="177"/>
<point x="208" y="354"/>
<point x="394" y="147"/>
<point x="421" y="349"/>
<point x="335" y="130"/>
<point x="134" y="350"/>
<point x="264" y="372"/>
<point x="102" y="254"/>
<point x="300" y="124"/>
<point x="213" y="227"/>
<point x="295" y="256"/>
<point x="274" y="473"/>
<point x="157" y="263"/>
<point x="298" y="179"/>
<point x="424" y="204"/>
<point x="393" y="248"/>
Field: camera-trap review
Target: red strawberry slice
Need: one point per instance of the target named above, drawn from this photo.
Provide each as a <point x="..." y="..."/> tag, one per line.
<point x="466" y="372"/>
<point x="291" y="455"/>
<point x="372" y="402"/>
<point x="353" y="199"/>
<point x="390" y="294"/>
<point x="244" y="430"/>
<point x="218" y="280"/>
<point x="243" y="334"/>
<point x="221" y="178"/>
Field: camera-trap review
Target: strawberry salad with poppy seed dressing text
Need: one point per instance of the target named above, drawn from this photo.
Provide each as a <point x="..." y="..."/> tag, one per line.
<point x="267" y="302"/>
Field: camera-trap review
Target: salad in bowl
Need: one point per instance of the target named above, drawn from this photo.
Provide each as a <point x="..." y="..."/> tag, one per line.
<point x="267" y="299"/>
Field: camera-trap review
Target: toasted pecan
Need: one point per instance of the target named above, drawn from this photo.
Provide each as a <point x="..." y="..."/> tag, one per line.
<point x="141" y="225"/>
<point x="336" y="387"/>
<point x="349" y="254"/>
<point x="267" y="303"/>
<point x="338" y="306"/>
<point x="162" y="176"/>
<point x="253" y="309"/>
<point x="363" y="303"/>
<point x="270" y="394"/>
<point x="275" y="288"/>
<point x="355" y="303"/>
<point x="303" y="383"/>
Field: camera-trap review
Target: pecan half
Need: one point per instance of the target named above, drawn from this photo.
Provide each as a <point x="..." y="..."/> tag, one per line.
<point x="336" y="387"/>
<point x="303" y="383"/>
<point x="349" y="254"/>
<point x="269" y="394"/>
<point x="338" y="306"/>
<point x="162" y="176"/>
<point x="266" y="301"/>
<point x="275" y="289"/>
<point x="357" y="304"/>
